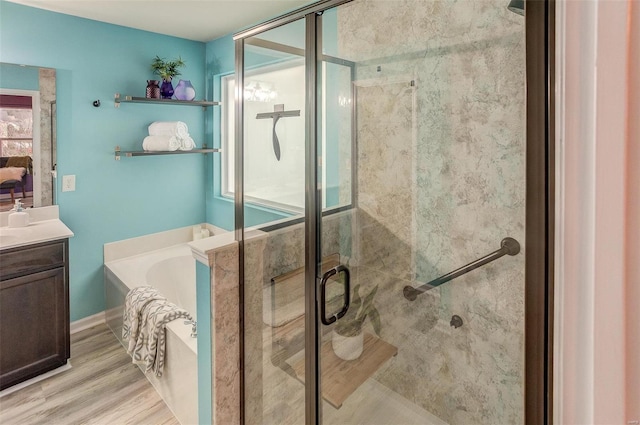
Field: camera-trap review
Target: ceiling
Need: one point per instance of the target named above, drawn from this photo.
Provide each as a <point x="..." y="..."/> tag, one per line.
<point x="200" y="20"/>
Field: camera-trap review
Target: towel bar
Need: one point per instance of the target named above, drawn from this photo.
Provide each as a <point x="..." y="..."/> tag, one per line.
<point x="508" y="246"/>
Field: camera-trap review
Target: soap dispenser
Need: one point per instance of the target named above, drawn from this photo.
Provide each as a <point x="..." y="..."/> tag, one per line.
<point x="19" y="217"/>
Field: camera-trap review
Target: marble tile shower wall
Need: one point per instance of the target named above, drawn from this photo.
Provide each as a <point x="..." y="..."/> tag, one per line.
<point x="441" y="180"/>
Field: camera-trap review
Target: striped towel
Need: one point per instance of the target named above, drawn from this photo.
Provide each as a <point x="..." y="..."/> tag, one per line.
<point x="146" y="315"/>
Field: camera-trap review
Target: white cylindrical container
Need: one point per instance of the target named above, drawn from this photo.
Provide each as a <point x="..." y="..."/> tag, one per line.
<point x="347" y="347"/>
<point x="18" y="219"/>
<point x="197" y="233"/>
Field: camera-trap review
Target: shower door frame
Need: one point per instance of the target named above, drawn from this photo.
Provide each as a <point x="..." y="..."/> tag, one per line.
<point x="540" y="205"/>
<point x="540" y="210"/>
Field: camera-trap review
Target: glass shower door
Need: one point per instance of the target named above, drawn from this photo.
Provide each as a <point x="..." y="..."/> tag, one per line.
<point x="380" y="211"/>
<point x="274" y="204"/>
<point x="420" y="118"/>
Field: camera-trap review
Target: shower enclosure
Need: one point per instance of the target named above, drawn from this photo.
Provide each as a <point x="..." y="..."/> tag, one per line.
<point x="390" y="139"/>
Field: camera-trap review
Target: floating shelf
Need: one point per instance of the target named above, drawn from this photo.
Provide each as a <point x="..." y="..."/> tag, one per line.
<point x="120" y="153"/>
<point x="132" y="99"/>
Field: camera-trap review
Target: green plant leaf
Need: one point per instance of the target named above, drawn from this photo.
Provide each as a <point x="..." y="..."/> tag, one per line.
<point x="368" y="301"/>
<point x="352" y="328"/>
<point x="374" y="316"/>
<point x="356" y="301"/>
<point x="359" y="310"/>
<point x="166" y="69"/>
<point x="351" y="315"/>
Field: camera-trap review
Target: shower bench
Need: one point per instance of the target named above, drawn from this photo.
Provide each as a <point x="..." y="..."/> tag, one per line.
<point x="340" y="378"/>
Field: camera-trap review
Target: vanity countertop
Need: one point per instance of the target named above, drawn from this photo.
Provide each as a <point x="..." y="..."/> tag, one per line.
<point x="45" y="226"/>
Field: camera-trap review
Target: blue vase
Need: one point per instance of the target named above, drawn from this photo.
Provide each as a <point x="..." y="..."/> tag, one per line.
<point x="166" y="89"/>
<point x="185" y="91"/>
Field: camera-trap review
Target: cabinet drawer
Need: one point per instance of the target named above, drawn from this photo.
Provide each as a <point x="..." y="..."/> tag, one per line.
<point x="31" y="259"/>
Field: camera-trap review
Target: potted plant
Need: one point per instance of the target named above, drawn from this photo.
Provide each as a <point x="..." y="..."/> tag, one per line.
<point x="347" y="339"/>
<point x="166" y="70"/>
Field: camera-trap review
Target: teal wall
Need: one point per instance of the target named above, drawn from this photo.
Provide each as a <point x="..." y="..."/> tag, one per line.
<point x="113" y="200"/>
<point x="19" y="77"/>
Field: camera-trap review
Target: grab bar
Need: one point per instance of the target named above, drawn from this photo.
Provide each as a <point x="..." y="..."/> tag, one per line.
<point x="508" y="246"/>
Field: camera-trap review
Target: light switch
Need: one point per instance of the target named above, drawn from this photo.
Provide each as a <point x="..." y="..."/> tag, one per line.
<point x="69" y="183"/>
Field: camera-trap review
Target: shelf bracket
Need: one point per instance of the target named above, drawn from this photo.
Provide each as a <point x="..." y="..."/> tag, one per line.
<point x="117" y="100"/>
<point x="117" y="151"/>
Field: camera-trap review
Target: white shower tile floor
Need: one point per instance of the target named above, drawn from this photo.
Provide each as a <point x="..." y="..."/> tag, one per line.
<point x="375" y="404"/>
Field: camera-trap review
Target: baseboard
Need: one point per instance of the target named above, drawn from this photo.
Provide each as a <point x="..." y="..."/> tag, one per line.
<point x="87" y="322"/>
<point x="36" y="379"/>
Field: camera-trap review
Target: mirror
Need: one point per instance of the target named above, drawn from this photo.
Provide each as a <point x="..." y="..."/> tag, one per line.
<point x="27" y="135"/>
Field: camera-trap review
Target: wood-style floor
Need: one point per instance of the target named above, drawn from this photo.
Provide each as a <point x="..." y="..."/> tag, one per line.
<point x="103" y="387"/>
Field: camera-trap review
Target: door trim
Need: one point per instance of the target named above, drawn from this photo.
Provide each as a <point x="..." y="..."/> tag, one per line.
<point x="313" y="221"/>
<point x="540" y="211"/>
<point x="303" y="12"/>
<point x="239" y="213"/>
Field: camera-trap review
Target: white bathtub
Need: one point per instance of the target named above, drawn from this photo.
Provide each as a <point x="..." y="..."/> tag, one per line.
<point x="172" y="271"/>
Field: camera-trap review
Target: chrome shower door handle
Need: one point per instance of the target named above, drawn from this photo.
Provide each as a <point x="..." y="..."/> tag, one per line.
<point x="323" y="294"/>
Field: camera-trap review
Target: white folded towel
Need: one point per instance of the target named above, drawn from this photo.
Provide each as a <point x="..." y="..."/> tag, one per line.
<point x="161" y="143"/>
<point x="169" y="128"/>
<point x="186" y="144"/>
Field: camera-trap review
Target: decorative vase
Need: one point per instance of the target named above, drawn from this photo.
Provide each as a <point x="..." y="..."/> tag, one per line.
<point x="153" y="89"/>
<point x="184" y="90"/>
<point x="347" y="347"/>
<point x="166" y="89"/>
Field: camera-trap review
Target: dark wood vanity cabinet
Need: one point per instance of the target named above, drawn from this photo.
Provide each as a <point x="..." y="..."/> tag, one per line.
<point x="34" y="310"/>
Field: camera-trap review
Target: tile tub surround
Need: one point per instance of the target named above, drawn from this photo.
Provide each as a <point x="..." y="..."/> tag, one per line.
<point x="143" y="244"/>
<point x="126" y="265"/>
<point x="178" y="385"/>
<point x="220" y="253"/>
<point x="441" y="181"/>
